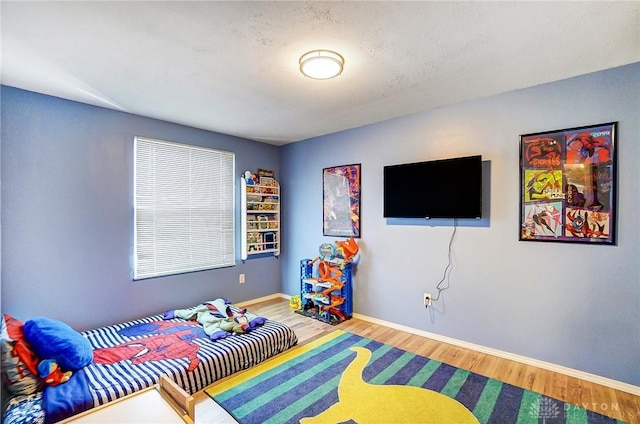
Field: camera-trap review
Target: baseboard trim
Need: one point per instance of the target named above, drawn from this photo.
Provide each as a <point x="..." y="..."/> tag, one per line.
<point x="593" y="378"/>
<point x="262" y="299"/>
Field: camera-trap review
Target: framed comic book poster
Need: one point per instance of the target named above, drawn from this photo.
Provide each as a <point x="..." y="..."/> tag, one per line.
<point x="341" y="201"/>
<point x="568" y="185"/>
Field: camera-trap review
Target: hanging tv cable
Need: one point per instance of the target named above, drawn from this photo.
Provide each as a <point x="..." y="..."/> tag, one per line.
<point x="449" y="267"/>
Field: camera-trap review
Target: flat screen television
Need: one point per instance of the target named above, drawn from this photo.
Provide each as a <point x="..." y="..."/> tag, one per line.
<point x="447" y="188"/>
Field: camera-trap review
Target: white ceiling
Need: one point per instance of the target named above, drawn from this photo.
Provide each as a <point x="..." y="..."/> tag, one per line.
<point x="232" y="67"/>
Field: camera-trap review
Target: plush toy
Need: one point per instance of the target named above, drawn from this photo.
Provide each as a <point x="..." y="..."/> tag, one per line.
<point x="237" y="324"/>
<point x="51" y="373"/>
<point x="242" y="320"/>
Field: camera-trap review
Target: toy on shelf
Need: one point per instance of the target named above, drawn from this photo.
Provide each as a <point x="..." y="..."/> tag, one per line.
<point x="348" y="250"/>
<point x="326" y="289"/>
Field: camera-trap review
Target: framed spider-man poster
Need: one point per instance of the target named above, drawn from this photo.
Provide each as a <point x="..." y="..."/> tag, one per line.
<point x="568" y="185"/>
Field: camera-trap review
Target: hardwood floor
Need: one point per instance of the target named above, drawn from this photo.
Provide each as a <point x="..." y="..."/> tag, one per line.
<point x="607" y="401"/>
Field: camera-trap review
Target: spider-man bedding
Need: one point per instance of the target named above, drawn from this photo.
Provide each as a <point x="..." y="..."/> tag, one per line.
<point x="131" y="356"/>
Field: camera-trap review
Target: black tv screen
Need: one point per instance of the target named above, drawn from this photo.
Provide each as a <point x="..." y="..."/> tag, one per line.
<point x="447" y="188"/>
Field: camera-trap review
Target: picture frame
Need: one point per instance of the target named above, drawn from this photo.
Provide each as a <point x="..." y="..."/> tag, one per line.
<point x="341" y="201"/>
<point x="568" y="185"/>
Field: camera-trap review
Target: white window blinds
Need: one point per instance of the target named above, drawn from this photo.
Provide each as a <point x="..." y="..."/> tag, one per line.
<point x="184" y="208"/>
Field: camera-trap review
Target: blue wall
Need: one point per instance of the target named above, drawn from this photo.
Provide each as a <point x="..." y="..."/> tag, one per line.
<point x="573" y="305"/>
<point x="67" y="216"/>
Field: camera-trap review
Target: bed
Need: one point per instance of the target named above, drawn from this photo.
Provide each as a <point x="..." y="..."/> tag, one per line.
<point x="132" y="356"/>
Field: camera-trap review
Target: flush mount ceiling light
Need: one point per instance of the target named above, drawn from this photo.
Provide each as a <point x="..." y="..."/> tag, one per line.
<point x="321" y="64"/>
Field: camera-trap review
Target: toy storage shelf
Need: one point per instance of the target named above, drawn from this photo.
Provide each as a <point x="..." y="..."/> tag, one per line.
<point x="260" y="218"/>
<point x="330" y="301"/>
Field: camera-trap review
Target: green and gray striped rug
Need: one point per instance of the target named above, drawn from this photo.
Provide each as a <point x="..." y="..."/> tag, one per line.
<point x="343" y="377"/>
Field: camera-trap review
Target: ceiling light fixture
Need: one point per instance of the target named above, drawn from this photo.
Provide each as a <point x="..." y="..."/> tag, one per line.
<point x="321" y="64"/>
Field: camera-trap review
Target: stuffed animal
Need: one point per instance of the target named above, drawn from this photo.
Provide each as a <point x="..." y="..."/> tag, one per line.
<point x="243" y="322"/>
<point x="51" y="373"/>
<point x="237" y="323"/>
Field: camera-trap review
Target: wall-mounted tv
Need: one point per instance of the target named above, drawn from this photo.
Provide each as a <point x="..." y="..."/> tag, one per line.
<point x="447" y="188"/>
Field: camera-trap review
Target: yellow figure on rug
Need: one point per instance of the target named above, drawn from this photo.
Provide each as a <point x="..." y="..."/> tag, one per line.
<point x="370" y="403"/>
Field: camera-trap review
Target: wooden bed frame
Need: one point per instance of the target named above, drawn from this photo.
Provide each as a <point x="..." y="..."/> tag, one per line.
<point x="144" y="406"/>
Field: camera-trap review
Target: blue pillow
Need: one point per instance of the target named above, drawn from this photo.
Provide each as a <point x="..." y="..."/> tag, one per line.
<point x="53" y="339"/>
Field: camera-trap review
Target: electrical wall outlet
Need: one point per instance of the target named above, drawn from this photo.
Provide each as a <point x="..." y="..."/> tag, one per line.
<point x="241" y="279"/>
<point x="427" y="300"/>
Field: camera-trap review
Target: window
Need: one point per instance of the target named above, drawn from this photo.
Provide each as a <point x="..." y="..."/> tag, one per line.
<point x="184" y="208"/>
